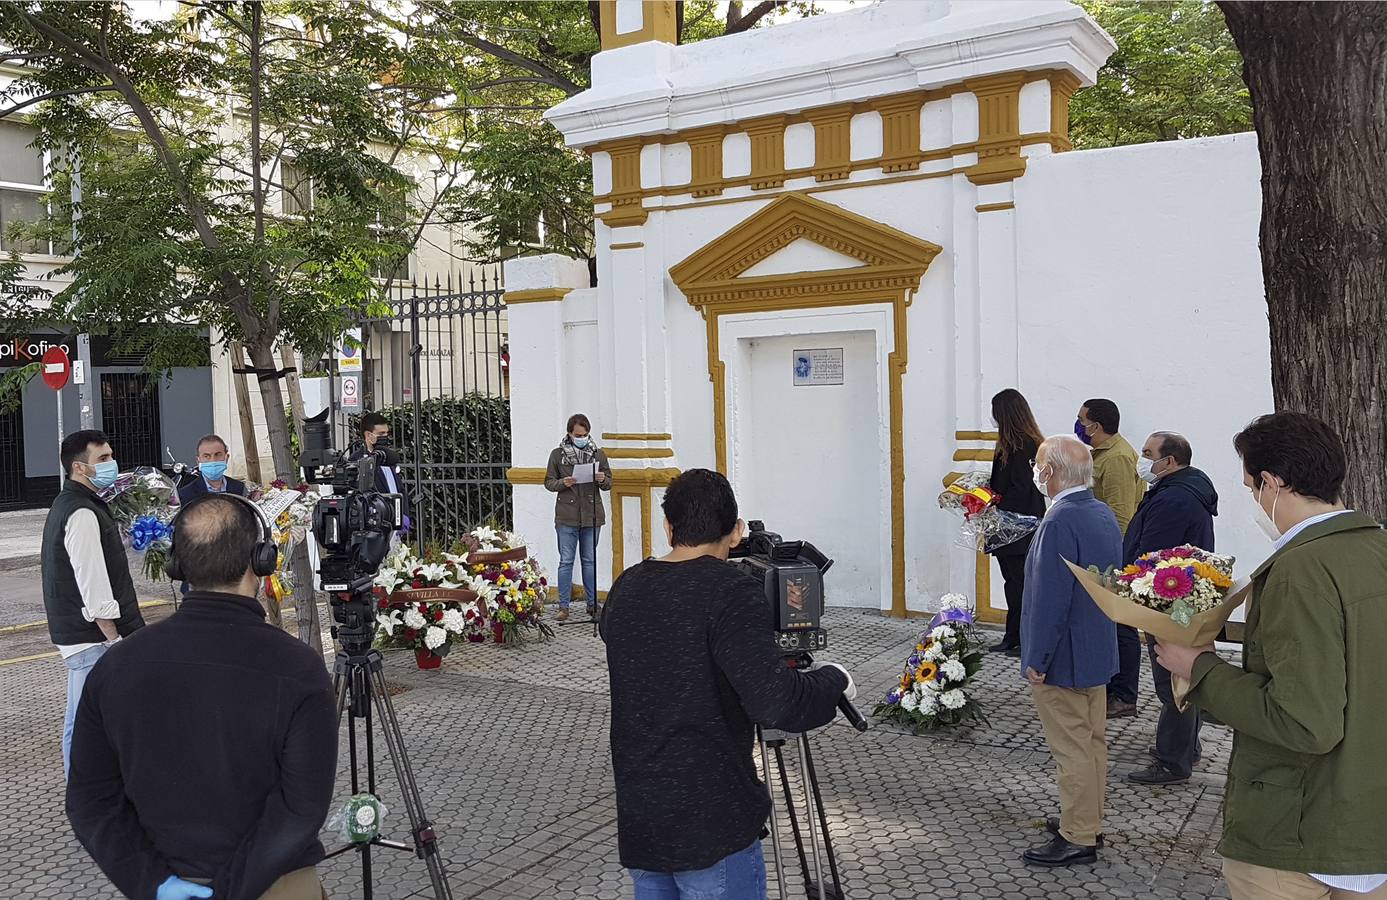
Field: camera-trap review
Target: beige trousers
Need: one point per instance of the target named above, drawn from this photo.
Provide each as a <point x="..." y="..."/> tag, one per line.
<point x="1074" y="721"/>
<point x="301" y="884"/>
<point x="1249" y="882"/>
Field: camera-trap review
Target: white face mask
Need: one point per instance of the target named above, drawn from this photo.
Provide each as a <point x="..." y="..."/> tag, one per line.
<point x="1267" y="522"/>
<point x="1144" y="470"/>
<point x="1041" y="483"/>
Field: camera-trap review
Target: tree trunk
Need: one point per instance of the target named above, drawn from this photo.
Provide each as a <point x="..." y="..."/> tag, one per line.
<point x="249" y="448"/>
<point x="1319" y="101"/>
<point x="277" y="428"/>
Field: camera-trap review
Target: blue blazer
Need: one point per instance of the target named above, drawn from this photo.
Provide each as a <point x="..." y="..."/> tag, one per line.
<point x="1064" y="634"/>
<point x="197" y="487"/>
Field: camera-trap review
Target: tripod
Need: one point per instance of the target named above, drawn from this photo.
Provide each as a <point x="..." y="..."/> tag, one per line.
<point x="815" y="819"/>
<point x="359" y="681"/>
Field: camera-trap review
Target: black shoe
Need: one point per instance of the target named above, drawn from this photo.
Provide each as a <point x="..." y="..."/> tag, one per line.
<point x="1121" y="709"/>
<point x="1003" y="647"/>
<point x="1059" y="852"/>
<point x="1014" y="652"/>
<point x="1052" y="825"/>
<point x="592" y="610"/>
<point x="1157" y="773"/>
<point x="1198" y="755"/>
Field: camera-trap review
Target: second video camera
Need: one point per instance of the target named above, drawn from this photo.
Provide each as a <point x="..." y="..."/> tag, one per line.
<point x="792" y="573"/>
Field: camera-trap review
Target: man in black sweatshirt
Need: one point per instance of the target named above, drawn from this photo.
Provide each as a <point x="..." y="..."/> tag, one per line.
<point x="205" y="746"/>
<point x="693" y="666"/>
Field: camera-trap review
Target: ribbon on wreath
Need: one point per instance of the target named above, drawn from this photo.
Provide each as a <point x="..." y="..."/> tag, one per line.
<point x="147" y="530"/>
<point x="953" y="614"/>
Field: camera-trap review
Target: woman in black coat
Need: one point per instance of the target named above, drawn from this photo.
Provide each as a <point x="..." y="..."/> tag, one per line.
<point x="1018" y="441"/>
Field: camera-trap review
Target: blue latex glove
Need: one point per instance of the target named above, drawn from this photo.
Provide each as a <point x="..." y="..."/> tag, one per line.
<point x="176" y="888"/>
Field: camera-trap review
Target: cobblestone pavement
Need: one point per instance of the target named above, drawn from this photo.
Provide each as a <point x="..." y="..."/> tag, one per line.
<point x="509" y="745"/>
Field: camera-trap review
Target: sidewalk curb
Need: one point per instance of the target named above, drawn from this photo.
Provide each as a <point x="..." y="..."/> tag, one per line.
<point x="10" y="563"/>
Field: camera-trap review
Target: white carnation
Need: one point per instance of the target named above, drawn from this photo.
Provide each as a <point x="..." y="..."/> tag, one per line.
<point x="910" y="701"/>
<point x="932" y="685"/>
<point x="934" y="654"/>
<point x="943" y="632"/>
<point x="929" y="704"/>
<point x="435" y="637"/>
<point x="954" y="670"/>
<point x="454" y="621"/>
<point x="955" y="601"/>
<point x="954" y="699"/>
<point x="413" y="618"/>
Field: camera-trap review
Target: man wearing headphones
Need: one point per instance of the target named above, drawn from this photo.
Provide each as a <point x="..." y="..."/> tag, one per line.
<point x="205" y="748"/>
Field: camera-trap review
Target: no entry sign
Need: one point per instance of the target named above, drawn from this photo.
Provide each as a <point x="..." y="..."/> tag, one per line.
<point x="57" y="368"/>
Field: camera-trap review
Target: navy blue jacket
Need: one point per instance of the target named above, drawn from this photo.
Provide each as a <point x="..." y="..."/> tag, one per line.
<point x="1064" y="635"/>
<point x="1178" y="509"/>
<point x="197" y="487"/>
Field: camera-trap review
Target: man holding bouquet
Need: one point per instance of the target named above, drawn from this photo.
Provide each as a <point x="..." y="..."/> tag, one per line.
<point x="1069" y="647"/>
<point x="1306" y="809"/>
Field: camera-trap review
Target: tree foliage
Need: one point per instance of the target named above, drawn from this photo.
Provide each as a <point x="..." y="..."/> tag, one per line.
<point x="1176" y="74"/>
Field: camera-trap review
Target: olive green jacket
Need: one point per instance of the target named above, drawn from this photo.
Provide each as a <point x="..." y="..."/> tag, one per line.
<point x="1307" y="781"/>
<point x="579" y="506"/>
<point x="1115" y="479"/>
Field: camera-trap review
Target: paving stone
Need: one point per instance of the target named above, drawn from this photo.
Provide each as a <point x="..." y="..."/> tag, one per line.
<point x="509" y="748"/>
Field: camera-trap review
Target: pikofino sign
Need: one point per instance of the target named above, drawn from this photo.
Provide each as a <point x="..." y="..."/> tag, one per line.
<point x="29" y="348"/>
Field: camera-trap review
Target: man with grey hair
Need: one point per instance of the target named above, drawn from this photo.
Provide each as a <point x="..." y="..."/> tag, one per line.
<point x="1069" y="648"/>
<point x="1178" y="509"/>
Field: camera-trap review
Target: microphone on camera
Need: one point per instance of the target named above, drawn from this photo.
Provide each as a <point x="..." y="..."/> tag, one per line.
<point x="851" y="714"/>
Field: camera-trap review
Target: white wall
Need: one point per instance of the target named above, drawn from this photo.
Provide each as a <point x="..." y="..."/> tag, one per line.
<point x="1141" y="282"/>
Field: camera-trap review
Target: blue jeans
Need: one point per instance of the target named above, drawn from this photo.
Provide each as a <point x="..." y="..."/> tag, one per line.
<point x="741" y="876"/>
<point x="570" y="537"/>
<point x="79" y="665"/>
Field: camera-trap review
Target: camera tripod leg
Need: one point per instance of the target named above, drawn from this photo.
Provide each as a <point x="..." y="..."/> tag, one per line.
<point x="425" y="840"/>
<point x="809" y="810"/>
<point x="823" y="817"/>
<point x="348" y="689"/>
<point x="791" y="815"/>
<point x="775" y="831"/>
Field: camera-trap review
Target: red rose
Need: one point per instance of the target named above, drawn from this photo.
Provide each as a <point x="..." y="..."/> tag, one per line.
<point x="383" y="604"/>
<point x="438" y="616"/>
<point x="410" y="635"/>
<point x="417" y="584"/>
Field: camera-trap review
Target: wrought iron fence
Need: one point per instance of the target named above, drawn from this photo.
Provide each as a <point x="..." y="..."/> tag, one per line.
<point x="130" y="411"/>
<point x="436" y="367"/>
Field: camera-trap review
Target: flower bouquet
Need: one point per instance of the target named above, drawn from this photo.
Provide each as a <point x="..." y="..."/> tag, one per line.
<point x="143" y="502"/>
<point x="1183" y="596"/>
<point x="518" y="602"/>
<point x="985" y="527"/>
<point x="290" y="513"/>
<point x="429" y="629"/>
<point x="935" y="684"/>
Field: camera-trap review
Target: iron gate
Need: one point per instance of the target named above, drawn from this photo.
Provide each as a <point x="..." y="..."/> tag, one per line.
<point x="12" y="457"/>
<point x="130" y="413"/>
<point x="436" y="367"/>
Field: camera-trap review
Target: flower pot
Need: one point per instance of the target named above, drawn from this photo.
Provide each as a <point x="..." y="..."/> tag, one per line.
<point x="498" y="632"/>
<point x="427" y="659"/>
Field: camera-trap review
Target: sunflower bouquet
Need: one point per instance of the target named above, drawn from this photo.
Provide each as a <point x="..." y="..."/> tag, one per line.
<point x="934" y="689"/>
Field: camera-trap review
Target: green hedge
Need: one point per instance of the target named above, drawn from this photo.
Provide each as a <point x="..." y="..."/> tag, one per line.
<point x="464" y="450"/>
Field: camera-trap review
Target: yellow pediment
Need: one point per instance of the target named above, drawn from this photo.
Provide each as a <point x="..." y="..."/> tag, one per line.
<point x="883" y="258"/>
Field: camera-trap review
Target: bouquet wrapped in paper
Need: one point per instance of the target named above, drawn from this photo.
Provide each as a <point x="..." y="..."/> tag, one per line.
<point x="985" y="527"/>
<point x="143" y="502"/>
<point x="1183" y="596"/>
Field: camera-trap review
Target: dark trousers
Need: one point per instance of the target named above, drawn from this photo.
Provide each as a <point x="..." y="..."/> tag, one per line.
<point x="1177" y="733"/>
<point x="1124" y="684"/>
<point x="1014" y="582"/>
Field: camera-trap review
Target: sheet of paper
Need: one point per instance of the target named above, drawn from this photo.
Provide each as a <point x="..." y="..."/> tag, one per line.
<point x="583" y="473"/>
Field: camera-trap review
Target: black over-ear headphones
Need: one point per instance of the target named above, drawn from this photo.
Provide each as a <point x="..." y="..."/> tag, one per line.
<point x="264" y="557"/>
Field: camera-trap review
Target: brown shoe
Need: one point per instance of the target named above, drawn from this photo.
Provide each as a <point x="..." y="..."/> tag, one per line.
<point x="1121" y="709"/>
<point x="563" y="614"/>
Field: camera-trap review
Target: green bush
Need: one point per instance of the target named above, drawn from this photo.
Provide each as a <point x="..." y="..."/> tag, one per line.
<point x="464" y="452"/>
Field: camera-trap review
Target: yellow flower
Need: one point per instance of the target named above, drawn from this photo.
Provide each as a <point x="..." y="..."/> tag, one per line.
<point x="919" y="646"/>
<point x="1219" y="580"/>
<point x="926" y="672"/>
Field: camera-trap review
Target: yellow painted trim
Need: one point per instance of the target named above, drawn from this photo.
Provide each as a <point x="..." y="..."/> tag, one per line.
<point x="999" y="128"/>
<point x="618" y="436"/>
<point x="767" y="151"/>
<point x="652" y="477"/>
<point x="705" y="161"/>
<point x="1063" y="84"/>
<point x="832" y="142"/>
<point x="973" y="455"/>
<point x="658" y="23"/>
<point x="976" y="436"/>
<point x="982" y="588"/>
<point x="900" y="131"/>
<point x="21" y="659"/>
<point x="626" y="197"/>
<point x="530" y="475"/>
<point x="993" y="207"/>
<point x="25" y="626"/>
<point x="629" y="245"/>
<point x="535" y="295"/>
<point x="638" y="452"/>
<point x="951" y="478"/>
<point x="893" y="264"/>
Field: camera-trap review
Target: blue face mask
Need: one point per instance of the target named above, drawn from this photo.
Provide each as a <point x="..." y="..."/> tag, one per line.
<point x="1081" y="432"/>
<point x="581" y="443"/>
<point x="212" y="471"/>
<point x="105" y="474"/>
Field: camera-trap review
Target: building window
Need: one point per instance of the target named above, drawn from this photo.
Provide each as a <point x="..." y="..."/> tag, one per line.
<point x="298" y="189"/>
<point x="22" y="185"/>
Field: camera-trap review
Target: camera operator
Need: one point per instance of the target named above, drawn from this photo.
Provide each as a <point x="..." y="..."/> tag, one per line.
<point x="205" y="746"/>
<point x="693" y="665"/>
<point x="375" y="436"/>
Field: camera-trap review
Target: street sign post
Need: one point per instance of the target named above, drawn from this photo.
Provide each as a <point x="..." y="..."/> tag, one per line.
<point x="57" y="368"/>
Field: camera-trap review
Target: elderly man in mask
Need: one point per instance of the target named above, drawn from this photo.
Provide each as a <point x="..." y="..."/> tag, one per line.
<point x="1068" y="647"/>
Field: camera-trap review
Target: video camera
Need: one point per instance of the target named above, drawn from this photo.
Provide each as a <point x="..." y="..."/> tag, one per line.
<point x="792" y="573"/>
<point x="352" y="526"/>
